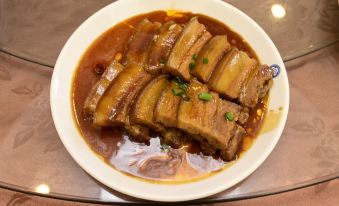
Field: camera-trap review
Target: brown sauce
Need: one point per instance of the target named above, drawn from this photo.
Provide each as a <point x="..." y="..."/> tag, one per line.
<point x="151" y="162"/>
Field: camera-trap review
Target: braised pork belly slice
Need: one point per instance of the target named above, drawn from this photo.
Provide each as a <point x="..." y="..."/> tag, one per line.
<point x="231" y="73"/>
<point x="162" y="45"/>
<point x="213" y="121"/>
<point x="206" y="148"/>
<point x="196" y="116"/>
<point x="250" y="91"/>
<point x="137" y="132"/>
<point x="193" y="30"/>
<point x="166" y="110"/>
<point x="238" y="113"/>
<point x="142" y="111"/>
<point x="230" y="152"/>
<point x="225" y="125"/>
<point x="114" y="106"/>
<point x="188" y="62"/>
<point x="101" y="87"/>
<point x="175" y="137"/>
<point x="264" y="78"/>
<point x="256" y="87"/>
<point x="227" y="147"/>
<point x="209" y="56"/>
<point x="138" y="44"/>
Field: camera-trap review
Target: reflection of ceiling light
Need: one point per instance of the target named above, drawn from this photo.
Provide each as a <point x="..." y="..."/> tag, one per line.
<point x="44" y="189"/>
<point x="278" y="11"/>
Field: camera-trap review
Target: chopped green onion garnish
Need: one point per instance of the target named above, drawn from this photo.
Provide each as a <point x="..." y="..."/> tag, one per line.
<point x="205" y="60"/>
<point x="183" y="86"/>
<point x="205" y="96"/>
<point x="177" y="92"/>
<point x="180" y="93"/>
<point x="194" y="56"/>
<point x="180" y="89"/>
<point x="192" y="65"/>
<point x="164" y="146"/>
<point x="162" y="61"/>
<point x="229" y="116"/>
<point x="177" y="80"/>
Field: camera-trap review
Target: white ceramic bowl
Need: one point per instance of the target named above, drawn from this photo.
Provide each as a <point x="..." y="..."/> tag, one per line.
<point x="116" y="12"/>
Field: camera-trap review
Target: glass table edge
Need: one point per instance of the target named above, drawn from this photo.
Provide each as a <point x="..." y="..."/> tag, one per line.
<point x="262" y="193"/>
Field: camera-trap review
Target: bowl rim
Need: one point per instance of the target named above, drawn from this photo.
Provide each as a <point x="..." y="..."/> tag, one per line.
<point x="61" y="129"/>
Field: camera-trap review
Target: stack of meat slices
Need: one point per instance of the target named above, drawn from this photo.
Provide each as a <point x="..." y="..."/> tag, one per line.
<point x="182" y="82"/>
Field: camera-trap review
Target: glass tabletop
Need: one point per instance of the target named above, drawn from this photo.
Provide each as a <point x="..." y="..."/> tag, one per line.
<point x="33" y="159"/>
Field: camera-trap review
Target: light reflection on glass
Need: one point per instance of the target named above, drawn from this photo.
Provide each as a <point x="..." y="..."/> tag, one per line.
<point x="107" y="196"/>
<point x="278" y="11"/>
<point x="42" y="188"/>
